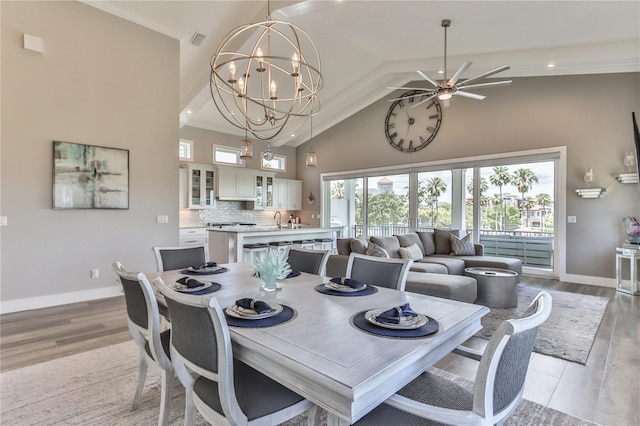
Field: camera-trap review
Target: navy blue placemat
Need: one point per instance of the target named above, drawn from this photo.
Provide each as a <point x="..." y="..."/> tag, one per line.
<point x="214" y="287"/>
<point x="218" y="271"/>
<point x="293" y="274"/>
<point x="287" y="314"/>
<point x="370" y="289"/>
<point x="359" y="321"/>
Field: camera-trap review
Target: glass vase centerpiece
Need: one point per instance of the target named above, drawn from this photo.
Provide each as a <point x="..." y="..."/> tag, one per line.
<point x="273" y="266"/>
<point x="633" y="229"/>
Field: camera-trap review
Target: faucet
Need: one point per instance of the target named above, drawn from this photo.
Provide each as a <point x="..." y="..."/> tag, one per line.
<point x="279" y="220"/>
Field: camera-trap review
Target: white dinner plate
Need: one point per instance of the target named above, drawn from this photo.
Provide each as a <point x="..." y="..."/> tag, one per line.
<point x="344" y="288"/>
<point x="203" y="270"/>
<point x="242" y="313"/>
<point x="184" y="289"/>
<point x="406" y="323"/>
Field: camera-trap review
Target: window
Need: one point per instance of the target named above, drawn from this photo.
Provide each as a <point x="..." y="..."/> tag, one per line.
<point x="185" y="150"/>
<point x="227" y="155"/>
<point x="279" y="163"/>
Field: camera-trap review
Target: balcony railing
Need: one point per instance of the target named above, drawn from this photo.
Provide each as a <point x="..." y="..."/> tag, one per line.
<point x="534" y="248"/>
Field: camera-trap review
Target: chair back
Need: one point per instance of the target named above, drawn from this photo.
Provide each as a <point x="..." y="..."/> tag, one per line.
<point x="169" y="258"/>
<point x="201" y="344"/>
<point x="503" y="368"/>
<point x="143" y="317"/>
<point x="379" y="271"/>
<point x="310" y="261"/>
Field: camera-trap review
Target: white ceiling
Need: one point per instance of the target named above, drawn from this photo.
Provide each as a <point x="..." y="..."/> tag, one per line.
<point x="366" y="46"/>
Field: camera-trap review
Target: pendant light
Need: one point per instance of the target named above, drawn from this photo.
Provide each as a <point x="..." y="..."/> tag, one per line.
<point x="246" y="148"/>
<point x="312" y="160"/>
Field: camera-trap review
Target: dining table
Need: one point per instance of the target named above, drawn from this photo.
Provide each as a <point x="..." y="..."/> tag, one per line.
<point x="321" y="351"/>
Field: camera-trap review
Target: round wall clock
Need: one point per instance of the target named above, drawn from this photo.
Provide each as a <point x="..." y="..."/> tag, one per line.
<point x="411" y="129"/>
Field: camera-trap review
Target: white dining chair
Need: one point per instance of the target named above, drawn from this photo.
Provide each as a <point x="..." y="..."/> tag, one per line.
<point x="307" y="260"/>
<point x="143" y="320"/>
<point x="180" y="257"/>
<point x="497" y="389"/>
<point x="379" y="271"/>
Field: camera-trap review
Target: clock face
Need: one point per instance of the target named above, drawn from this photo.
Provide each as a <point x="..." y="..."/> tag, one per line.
<point x="411" y="129"/>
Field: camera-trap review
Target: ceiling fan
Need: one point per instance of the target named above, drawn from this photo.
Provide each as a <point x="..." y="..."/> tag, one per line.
<point x="446" y="89"/>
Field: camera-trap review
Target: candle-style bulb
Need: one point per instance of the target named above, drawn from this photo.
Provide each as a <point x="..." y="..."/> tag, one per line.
<point x="232" y="72"/>
<point x="273" y="90"/>
<point x="260" y="56"/>
<point x="295" y="62"/>
<point x="241" y="87"/>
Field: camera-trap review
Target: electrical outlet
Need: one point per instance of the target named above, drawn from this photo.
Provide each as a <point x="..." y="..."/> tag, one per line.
<point x="162" y="219"/>
<point x="3" y="221"/>
<point x="571" y="219"/>
<point x="95" y="273"/>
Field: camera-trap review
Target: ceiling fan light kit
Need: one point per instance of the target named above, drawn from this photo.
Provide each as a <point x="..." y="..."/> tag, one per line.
<point x="446" y="89"/>
<point x="266" y="76"/>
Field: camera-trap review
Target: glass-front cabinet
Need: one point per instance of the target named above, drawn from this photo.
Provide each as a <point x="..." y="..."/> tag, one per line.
<point x="264" y="192"/>
<point x="199" y="188"/>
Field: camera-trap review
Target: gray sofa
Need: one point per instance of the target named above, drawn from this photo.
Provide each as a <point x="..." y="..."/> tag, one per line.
<point x="438" y="268"/>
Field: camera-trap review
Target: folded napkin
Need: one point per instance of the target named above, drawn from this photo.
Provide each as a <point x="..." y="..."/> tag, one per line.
<point x="204" y="265"/>
<point x="394" y="315"/>
<point x="190" y="282"/>
<point x="347" y="282"/>
<point x="257" y="305"/>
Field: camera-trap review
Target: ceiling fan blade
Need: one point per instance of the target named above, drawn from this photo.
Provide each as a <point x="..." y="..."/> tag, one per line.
<point x="410" y="88"/>
<point x="429" y="79"/>
<point x="493" y="83"/>
<point x="411" y="96"/>
<point x="459" y="73"/>
<point x="469" y="95"/>
<point x="487" y="74"/>
<point x="425" y="100"/>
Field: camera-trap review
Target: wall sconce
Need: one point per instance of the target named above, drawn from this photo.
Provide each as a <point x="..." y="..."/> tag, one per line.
<point x="629" y="161"/>
<point x="589" y="192"/>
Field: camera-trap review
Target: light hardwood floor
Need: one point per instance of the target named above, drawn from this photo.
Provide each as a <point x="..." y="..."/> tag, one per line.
<point x="606" y="390"/>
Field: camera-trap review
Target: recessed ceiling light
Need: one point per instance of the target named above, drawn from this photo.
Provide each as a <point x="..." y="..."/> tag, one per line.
<point x="551" y="65"/>
<point x="189" y="111"/>
<point x="440" y="72"/>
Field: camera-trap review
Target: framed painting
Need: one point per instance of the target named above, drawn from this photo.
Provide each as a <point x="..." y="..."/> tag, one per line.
<point x="90" y="177"/>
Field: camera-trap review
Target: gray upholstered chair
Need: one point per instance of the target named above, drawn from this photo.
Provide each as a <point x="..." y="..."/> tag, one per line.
<point x="378" y="271"/>
<point x="170" y="258"/>
<point x="306" y="260"/>
<point x="498" y="386"/>
<point x="220" y="387"/>
<point x="143" y="320"/>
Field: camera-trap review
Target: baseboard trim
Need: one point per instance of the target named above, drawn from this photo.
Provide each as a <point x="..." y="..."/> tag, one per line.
<point x="588" y="280"/>
<point x="48" y="301"/>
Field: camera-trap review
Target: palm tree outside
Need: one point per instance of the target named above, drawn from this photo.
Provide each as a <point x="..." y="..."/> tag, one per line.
<point x="435" y="188"/>
<point x="523" y="179"/>
<point x="500" y="178"/>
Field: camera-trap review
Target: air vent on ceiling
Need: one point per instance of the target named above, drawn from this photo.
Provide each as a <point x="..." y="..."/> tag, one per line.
<point x="197" y="39"/>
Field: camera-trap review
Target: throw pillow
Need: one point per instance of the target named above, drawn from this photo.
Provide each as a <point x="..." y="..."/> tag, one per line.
<point x="358" y="245"/>
<point x="412" y="252"/>
<point x="344" y="245"/>
<point x="443" y="241"/>
<point x="462" y="246"/>
<point x="428" y="242"/>
<point x="406" y="240"/>
<point x="376" y="250"/>
<point x="390" y="244"/>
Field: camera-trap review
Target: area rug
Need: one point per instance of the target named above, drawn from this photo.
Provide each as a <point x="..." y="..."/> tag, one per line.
<point x="96" y="388"/>
<point x="570" y="330"/>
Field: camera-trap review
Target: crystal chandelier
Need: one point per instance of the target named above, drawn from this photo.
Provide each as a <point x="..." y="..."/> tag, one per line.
<point x="266" y="76"/>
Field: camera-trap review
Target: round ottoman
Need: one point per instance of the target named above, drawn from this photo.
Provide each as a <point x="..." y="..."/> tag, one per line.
<point x="497" y="288"/>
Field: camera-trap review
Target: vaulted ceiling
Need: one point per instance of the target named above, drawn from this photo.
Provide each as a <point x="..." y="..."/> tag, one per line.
<point x="366" y="46"/>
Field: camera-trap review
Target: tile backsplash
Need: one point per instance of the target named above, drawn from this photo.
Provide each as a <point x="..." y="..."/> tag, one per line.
<point x="228" y="211"/>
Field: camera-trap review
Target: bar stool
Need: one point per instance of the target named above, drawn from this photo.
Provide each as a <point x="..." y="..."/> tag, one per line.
<point x="323" y="244"/>
<point x="305" y="244"/>
<point x="281" y="245"/>
<point x="254" y="251"/>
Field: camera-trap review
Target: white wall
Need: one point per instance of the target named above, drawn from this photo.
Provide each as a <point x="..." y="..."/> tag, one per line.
<point x="589" y="114"/>
<point x="100" y="81"/>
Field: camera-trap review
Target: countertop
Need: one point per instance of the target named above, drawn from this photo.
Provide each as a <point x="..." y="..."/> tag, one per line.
<point x="271" y="230"/>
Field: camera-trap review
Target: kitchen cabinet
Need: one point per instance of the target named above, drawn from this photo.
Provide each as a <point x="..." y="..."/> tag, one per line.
<point x="264" y="192"/>
<point x="192" y="237"/>
<point x="236" y="184"/>
<point x="197" y="186"/>
<point x="288" y="194"/>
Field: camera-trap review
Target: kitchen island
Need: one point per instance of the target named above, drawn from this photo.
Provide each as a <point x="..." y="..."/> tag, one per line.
<point x="226" y="244"/>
